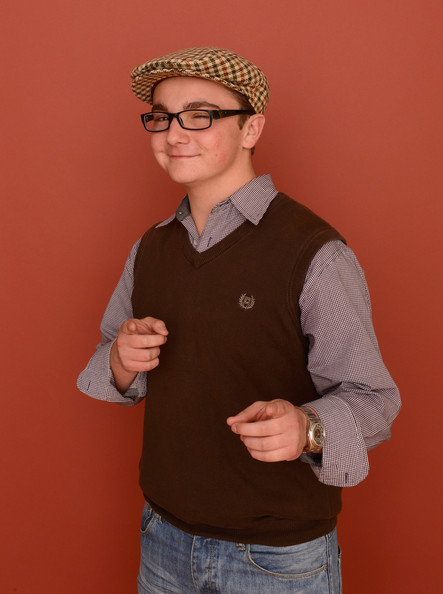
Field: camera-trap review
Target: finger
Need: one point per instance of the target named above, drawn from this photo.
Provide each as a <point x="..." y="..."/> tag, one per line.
<point x="154" y="326"/>
<point x="145" y="326"/>
<point x="141" y="355"/>
<point x="137" y="366"/>
<point x="248" y="415"/>
<point x="147" y="341"/>
<point x="128" y="342"/>
<point x="261" y="411"/>
<point x="265" y="428"/>
<point x="265" y="444"/>
<point x="280" y="455"/>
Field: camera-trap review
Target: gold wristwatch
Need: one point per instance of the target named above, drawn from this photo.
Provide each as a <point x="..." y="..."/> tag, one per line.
<point x="315" y="432"/>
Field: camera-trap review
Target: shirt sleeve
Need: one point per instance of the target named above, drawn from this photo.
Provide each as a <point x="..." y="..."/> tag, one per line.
<point x="359" y="400"/>
<point x="97" y="380"/>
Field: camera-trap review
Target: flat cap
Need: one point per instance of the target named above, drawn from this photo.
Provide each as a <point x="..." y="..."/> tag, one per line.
<point x="213" y="63"/>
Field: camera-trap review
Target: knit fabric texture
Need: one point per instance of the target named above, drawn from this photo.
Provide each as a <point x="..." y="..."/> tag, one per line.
<point x="234" y="338"/>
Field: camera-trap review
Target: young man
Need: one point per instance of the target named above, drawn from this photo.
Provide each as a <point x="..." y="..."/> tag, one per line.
<point x="246" y="321"/>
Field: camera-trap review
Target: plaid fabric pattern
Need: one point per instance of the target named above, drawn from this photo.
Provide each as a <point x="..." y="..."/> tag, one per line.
<point x="216" y="64"/>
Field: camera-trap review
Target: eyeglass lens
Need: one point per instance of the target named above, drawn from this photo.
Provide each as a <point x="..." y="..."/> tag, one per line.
<point x="195" y="119"/>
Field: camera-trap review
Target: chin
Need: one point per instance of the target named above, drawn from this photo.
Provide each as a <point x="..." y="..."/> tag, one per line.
<point x="178" y="176"/>
<point x="181" y="175"/>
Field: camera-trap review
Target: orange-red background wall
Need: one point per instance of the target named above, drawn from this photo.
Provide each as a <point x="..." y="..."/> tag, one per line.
<point x="352" y="131"/>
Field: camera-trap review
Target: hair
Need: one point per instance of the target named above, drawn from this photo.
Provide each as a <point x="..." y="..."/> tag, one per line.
<point x="244" y="103"/>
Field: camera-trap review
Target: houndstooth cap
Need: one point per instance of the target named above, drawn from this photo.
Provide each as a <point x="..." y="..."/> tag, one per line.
<point x="213" y="63"/>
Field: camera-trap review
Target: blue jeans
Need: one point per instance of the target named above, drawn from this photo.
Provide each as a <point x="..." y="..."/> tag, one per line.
<point x="174" y="561"/>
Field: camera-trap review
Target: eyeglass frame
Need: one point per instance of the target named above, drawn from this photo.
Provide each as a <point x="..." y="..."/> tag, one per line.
<point x="214" y="114"/>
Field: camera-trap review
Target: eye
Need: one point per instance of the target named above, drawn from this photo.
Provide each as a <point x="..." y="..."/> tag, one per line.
<point x="157" y="117"/>
<point x="200" y="115"/>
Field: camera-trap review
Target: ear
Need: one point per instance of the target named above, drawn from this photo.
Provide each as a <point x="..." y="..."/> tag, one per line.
<point x="252" y="130"/>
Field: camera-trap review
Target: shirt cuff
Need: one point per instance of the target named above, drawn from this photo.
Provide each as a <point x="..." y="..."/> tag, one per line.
<point x="344" y="459"/>
<point x="97" y="380"/>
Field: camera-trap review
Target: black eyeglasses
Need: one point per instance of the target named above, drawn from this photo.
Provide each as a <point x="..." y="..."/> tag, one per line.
<point x="189" y="119"/>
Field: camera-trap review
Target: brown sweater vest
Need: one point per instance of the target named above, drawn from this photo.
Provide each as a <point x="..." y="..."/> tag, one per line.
<point x="234" y="337"/>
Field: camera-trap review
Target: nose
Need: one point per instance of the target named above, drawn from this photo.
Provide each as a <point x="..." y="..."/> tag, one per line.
<point x="176" y="133"/>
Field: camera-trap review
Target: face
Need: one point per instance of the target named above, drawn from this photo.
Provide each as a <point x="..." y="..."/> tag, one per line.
<point x="198" y="158"/>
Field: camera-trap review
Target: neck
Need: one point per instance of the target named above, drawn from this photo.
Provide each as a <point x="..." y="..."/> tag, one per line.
<point x="203" y="198"/>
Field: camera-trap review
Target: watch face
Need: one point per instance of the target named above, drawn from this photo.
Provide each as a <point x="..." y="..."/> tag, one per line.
<point x="318" y="434"/>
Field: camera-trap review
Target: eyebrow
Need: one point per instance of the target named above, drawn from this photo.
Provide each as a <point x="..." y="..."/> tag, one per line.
<point x="191" y="105"/>
<point x="197" y="104"/>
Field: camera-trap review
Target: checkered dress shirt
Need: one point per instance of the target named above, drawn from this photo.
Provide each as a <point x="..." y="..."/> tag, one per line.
<point x="359" y="400"/>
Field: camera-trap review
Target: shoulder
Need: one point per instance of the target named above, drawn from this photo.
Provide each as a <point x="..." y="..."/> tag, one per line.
<point x="165" y="222"/>
<point x="158" y="230"/>
<point x="295" y="217"/>
<point x="298" y="230"/>
<point x="334" y="255"/>
<point x="335" y="265"/>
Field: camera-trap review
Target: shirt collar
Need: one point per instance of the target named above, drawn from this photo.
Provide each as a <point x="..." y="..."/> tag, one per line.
<point x="251" y="200"/>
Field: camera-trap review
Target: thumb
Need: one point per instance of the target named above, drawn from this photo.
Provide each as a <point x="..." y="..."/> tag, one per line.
<point x="276" y="408"/>
<point x="129" y="327"/>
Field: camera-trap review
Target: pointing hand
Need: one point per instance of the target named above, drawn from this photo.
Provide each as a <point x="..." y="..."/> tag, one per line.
<point x="272" y="431"/>
<point x="136" y="348"/>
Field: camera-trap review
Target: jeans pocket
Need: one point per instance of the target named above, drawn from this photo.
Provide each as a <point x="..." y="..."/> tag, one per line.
<point x="148" y="516"/>
<point x="293" y="562"/>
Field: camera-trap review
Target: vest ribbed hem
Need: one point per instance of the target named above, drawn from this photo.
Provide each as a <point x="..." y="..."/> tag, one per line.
<point x="271" y="531"/>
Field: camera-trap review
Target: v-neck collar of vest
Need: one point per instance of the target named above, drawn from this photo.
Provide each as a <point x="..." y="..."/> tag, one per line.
<point x="198" y="259"/>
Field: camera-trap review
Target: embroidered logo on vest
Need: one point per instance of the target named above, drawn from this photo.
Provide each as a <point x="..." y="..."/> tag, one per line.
<point x="246" y="301"/>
